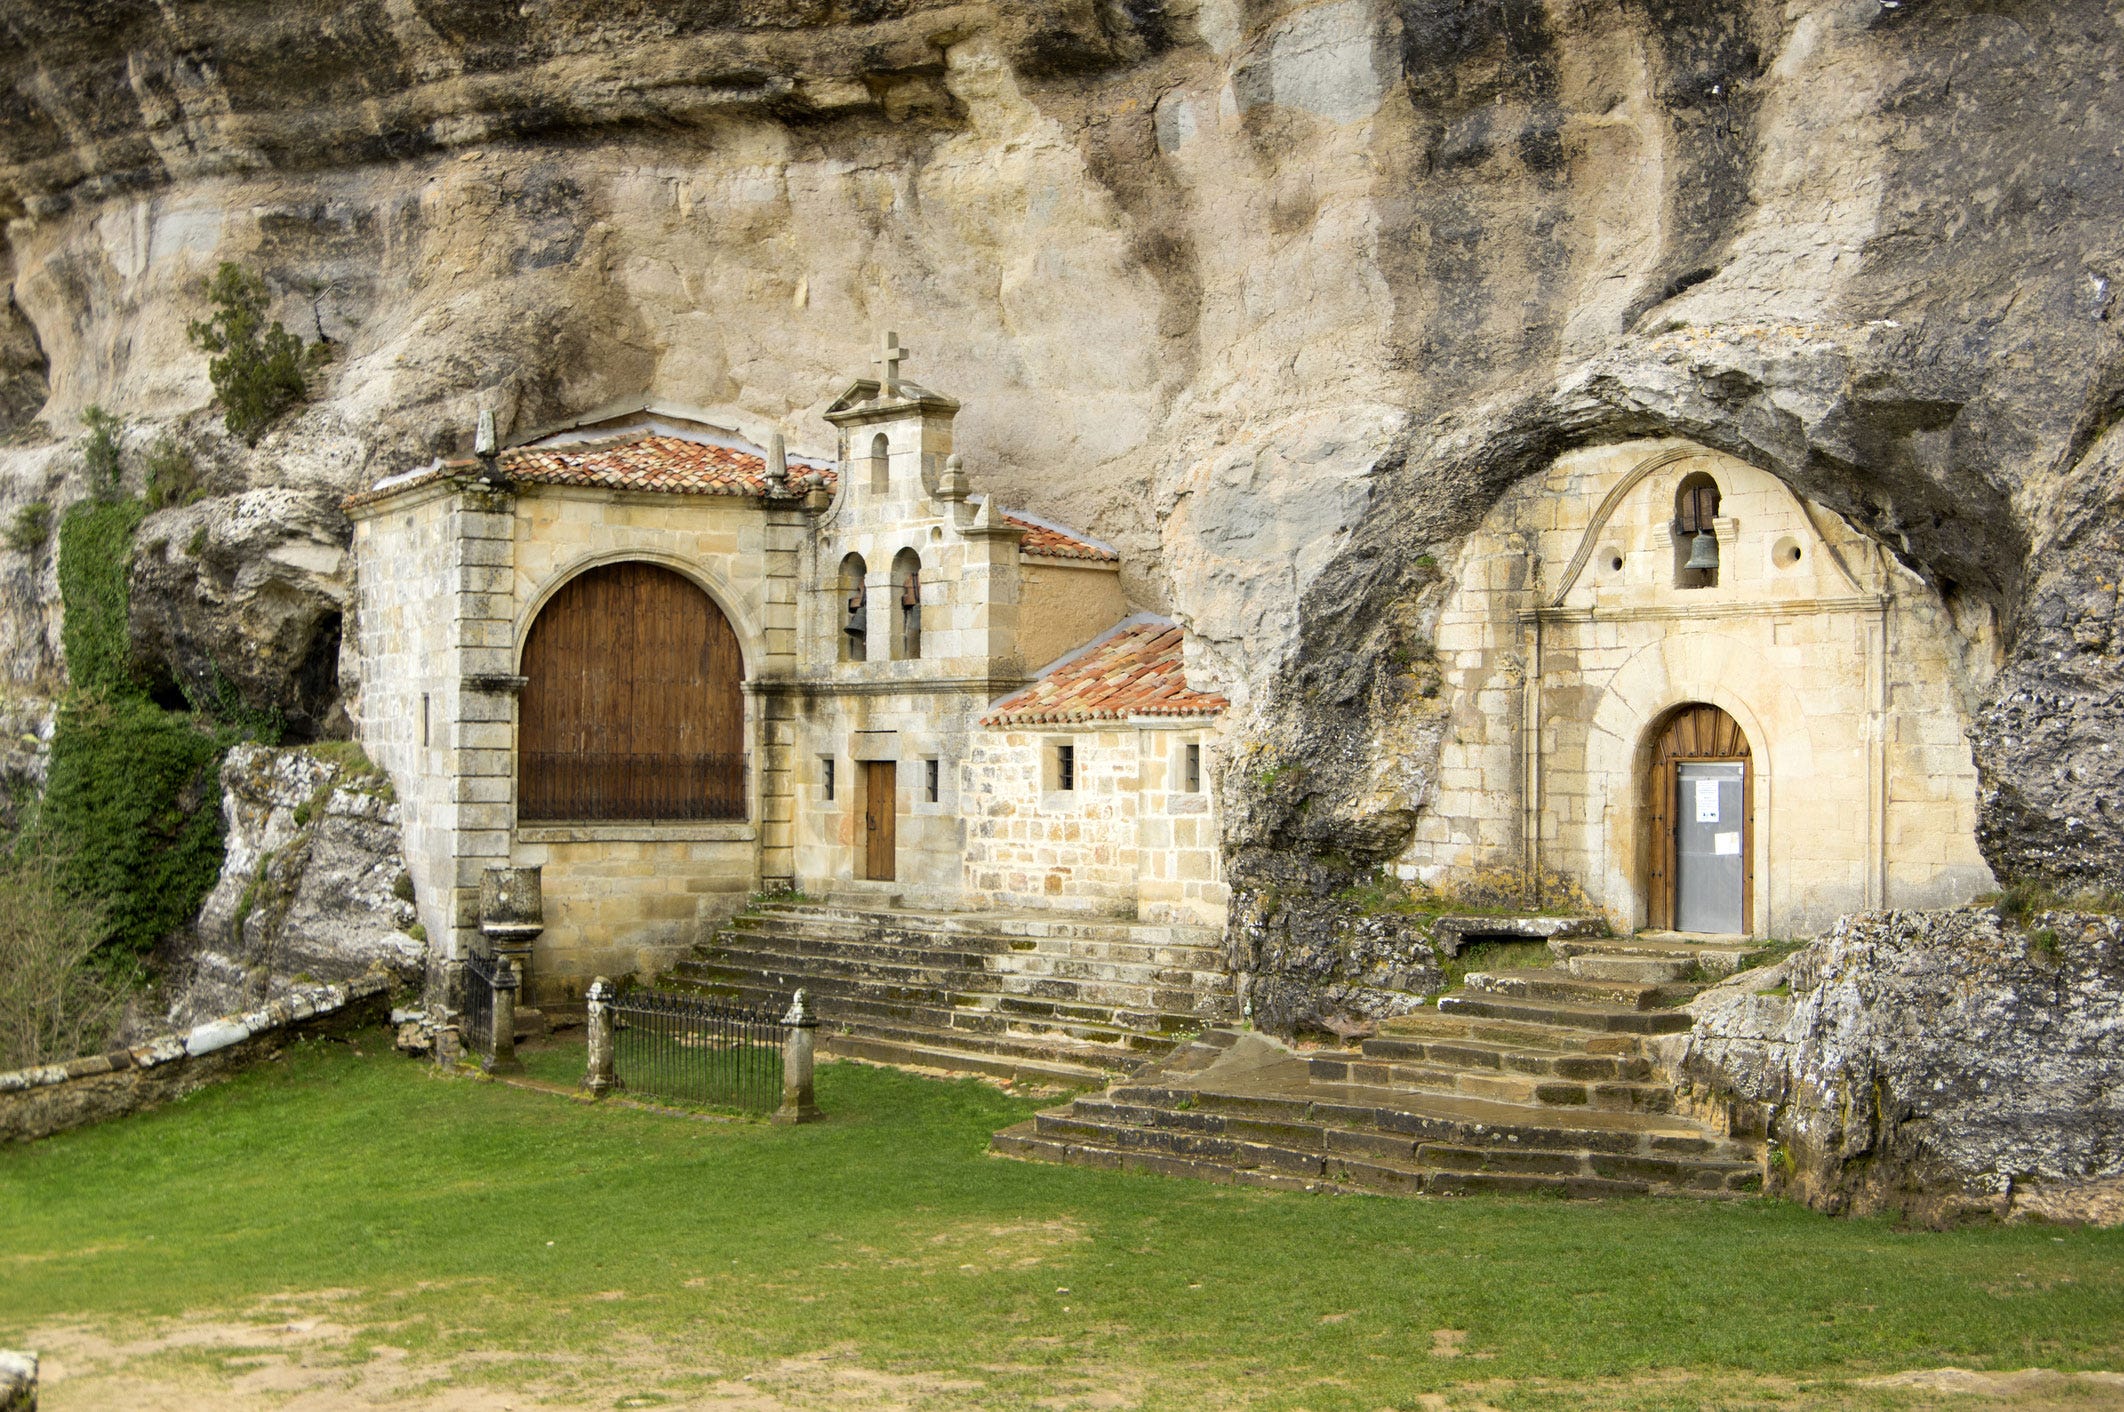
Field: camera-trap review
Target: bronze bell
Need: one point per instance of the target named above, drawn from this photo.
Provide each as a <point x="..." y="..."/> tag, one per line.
<point x="858" y="620"/>
<point x="1703" y="551"/>
<point x="911" y="592"/>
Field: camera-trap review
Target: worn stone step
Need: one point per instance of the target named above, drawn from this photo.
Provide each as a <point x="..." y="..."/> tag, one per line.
<point x="1419" y="1117"/>
<point x="1032" y="965"/>
<point x="1141" y="1031"/>
<point x="1143" y="993"/>
<point x="1492" y="1006"/>
<point x="1714" y="956"/>
<point x="1005" y="924"/>
<point x="1252" y="1164"/>
<point x="1448" y="1023"/>
<point x="1029" y="1068"/>
<point x="1505" y="1058"/>
<point x="1537" y="1090"/>
<point x="1639" y="970"/>
<point x="1208" y="959"/>
<point x="1548" y="983"/>
<point x="933" y="1005"/>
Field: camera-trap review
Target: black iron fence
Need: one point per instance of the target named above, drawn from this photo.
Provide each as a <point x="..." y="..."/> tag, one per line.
<point x="697" y="1050"/>
<point x="475" y="1025"/>
<point x="580" y="785"/>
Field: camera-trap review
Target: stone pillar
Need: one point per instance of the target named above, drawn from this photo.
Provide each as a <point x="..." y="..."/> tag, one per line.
<point x="506" y="983"/>
<point x="449" y="1033"/>
<point x="799" y="1046"/>
<point x="512" y="914"/>
<point x="599" y="1079"/>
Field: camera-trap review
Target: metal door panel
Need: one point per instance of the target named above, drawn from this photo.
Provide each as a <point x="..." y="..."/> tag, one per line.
<point x="1710" y="842"/>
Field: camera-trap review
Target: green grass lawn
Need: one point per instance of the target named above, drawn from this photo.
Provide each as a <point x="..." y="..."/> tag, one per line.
<point x="451" y="1217"/>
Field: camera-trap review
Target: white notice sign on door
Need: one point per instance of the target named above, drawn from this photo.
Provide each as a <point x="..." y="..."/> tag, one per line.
<point x="1707" y="801"/>
<point x="1725" y="843"/>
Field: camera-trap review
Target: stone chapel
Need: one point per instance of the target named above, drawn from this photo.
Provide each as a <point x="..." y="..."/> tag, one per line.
<point x="672" y="670"/>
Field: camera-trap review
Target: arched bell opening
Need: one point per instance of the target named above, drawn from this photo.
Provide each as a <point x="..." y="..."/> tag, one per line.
<point x="1700" y="804"/>
<point x="1696" y="548"/>
<point x="907" y="605"/>
<point x="855" y="615"/>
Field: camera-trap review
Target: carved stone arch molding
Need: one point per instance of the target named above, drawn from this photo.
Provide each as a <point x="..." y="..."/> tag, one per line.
<point x="1652" y="465"/>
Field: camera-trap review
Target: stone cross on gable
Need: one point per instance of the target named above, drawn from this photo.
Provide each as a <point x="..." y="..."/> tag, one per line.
<point x="888" y="360"/>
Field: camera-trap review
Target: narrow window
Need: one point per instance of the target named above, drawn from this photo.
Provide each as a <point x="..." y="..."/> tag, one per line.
<point x="880" y="465"/>
<point x="826" y="774"/>
<point x="1193" y="771"/>
<point x="424" y="719"/>
<point x="855" y="621"/>
<point x="934" y="780"/>
<point x="907" y="585"/>
<point x="1065" y="767"/>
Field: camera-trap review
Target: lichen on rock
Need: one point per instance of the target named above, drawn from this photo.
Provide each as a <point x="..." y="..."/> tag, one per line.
<point x="1932" y="1064"/>
<point x="313" y="889"/>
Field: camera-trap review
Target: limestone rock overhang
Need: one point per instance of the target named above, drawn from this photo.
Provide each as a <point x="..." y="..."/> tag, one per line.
<point x="1133" y="670"/>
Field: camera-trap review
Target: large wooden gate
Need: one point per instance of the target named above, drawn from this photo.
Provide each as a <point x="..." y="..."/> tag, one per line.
<point x="632" y="706"/>
<point x="1694" y="733"/>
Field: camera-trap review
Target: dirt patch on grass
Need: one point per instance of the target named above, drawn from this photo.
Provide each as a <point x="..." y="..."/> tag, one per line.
<point x="275" y="1363"/>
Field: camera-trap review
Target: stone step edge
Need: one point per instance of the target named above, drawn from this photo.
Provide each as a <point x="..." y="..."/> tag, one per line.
<point x="989" y="923"/>
<point x="829" y="1001"/>
<point x="1197" y="980"/>
<point x="919" y="1056"/>
<point x="1444" y="1183"/>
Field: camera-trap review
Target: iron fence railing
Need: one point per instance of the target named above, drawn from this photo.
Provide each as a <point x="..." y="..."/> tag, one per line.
<point x="695" y="1049"/>
<point x="475" y="1026"/>
<point x="580" y="785"/>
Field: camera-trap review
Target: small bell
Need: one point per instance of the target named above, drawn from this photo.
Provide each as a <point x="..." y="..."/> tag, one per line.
<point x="858" y="620"/>
<point x="1703" y="551"/>
<point x="911" y="592"/>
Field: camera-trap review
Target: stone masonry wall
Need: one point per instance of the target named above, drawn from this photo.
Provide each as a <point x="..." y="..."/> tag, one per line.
<point x="1128" y="840"/>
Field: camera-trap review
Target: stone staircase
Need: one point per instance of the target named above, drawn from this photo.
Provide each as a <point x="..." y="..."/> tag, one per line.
<point x="1031" y="996"/>
<point x="1524" y="1080"/>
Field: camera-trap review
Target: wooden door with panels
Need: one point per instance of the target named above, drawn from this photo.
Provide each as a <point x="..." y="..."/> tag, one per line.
<point x="881" y="792"/>
<point x="1701" y="808"/>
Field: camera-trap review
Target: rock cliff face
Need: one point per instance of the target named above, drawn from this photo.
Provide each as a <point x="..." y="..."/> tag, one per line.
<point x="1276" y="294"/>
<point x="313" y="888"/>
<point x="1930" y="1064"/>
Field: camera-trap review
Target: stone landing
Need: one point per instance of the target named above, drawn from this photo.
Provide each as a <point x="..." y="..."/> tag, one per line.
<point x="1527" y="1080"/>
<point x="1031" y="996"/>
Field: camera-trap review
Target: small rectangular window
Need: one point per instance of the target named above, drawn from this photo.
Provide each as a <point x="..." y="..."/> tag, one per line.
<point x="1192" y="773"/>
<point x="826" y="774"/>
<point x="933" y="773"/>
<point x="424" y="740"/>
<point x="1065" y="767"/>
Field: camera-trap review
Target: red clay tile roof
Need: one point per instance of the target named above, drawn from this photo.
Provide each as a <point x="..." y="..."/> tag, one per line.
<point x="1133" y="671"/>
<point x="1054" y="542"/>
<point x="669" y="465"/>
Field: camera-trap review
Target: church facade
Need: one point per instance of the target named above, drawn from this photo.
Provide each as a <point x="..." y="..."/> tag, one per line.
<point x="671" y="670"/>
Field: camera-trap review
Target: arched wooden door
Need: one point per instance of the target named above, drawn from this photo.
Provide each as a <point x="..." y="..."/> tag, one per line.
<point x="1701" y="802"/>
<point x="632" y="706"/>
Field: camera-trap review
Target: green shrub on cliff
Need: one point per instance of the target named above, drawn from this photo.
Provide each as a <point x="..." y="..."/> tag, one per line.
<point x="131" y="813"/>
<point x="95" y="552"/>
<point x="257" y="368"/>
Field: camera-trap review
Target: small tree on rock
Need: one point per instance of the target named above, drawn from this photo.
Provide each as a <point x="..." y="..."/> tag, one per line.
<point x="257" y="368"/>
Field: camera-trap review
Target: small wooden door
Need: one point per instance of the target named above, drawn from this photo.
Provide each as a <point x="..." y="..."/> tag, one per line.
<point x="1701" y="807"/>
<point x="881" y="791"/>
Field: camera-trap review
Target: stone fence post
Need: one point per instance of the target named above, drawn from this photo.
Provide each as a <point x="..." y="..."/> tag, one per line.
<point x="506" y="982"/>
<point x="798" y="1048"/>
<point x="600" y="1080"/>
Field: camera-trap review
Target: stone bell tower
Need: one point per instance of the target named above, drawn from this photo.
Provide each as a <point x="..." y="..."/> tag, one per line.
<point x="895" y="442"/>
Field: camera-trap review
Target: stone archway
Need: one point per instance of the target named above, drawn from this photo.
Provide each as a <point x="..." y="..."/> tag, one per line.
<point x="1700" y="813"/>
